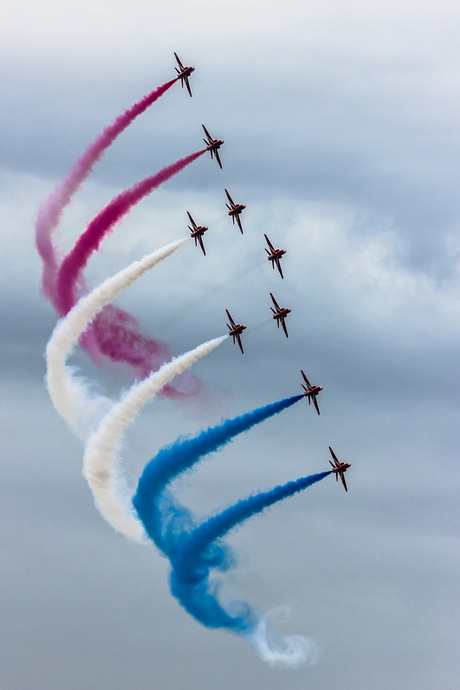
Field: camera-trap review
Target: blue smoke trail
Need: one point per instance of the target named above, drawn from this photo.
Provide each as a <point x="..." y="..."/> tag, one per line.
<point x="164" y="519"/>
<point x="189" y="579"/>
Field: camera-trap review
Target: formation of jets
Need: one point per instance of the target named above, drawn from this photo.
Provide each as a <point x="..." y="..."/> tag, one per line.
<point x="279" y="314"/>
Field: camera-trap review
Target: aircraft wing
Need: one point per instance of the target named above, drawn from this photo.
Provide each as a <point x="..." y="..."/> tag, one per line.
<point x="315" y="403"/>
<point x="284" y="328"/>
<point x="218" y="158"/>
<point x="240" y="343"/>
<point x="233" y="324"/>
<point x="200" y="240"/>
<point x="192" y="221"/>
<point x="342" y="477"/>
<point x="275" y="302"/>
<point x="229" y="198"/>
<point x="333" y="455"/>
<point x="278" y="265"/>
<point x="179" y="62"/>
<point x="187" y="84"/>
<point x="207" y="134"/>
<point x="272" y="248"/>
<point x="306" y="380"/>
<point x="238" y="222"/>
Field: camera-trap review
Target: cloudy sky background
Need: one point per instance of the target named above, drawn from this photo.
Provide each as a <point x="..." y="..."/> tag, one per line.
<point x="341" y="135"/>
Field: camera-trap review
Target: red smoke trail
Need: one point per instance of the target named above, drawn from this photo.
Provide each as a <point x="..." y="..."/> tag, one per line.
<point x="76" y="260"/>
<point x="51" y="211"/>
<point x="114" y="332"/>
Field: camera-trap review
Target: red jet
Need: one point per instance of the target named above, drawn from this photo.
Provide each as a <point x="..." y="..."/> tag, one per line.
<point x="274" y="255"/>
<point x="235" y="330"/>
<point x="311" y="391"/>
<point x="279" y="314"/>
<point x="197" y="232"/>
<point x="212" y="145"/>
<point x="339" y="468"/>
<point x="234" y="211"/>
<point x="183" y="74"/>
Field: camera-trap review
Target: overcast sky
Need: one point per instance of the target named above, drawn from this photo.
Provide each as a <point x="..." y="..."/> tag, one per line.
<point x="340" y="122"/>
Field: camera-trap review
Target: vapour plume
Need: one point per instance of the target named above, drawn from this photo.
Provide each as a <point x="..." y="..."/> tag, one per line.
<point x="101" y="462"/>
<point x="73" y="264"/>
<point x="71" y="395"/>
<point x="51" y="211"/>
<point x="163" y="517"/>
<point x="199" y="595"/>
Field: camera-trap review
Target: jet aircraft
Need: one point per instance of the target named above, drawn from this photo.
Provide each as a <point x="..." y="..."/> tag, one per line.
<point x="183" y="74"/>
<point x="235" y="330"/>
<point x="274" y="255"/>
<point x="311" y="391"/>
<point x="197" y="232"/>
<point x="279" y="314"/>
<point x="339" y="468"/>
<point x="212" y="145"/>
<point x="234" y="211"/>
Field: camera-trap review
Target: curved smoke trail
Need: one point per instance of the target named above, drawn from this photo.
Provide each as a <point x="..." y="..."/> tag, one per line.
<point x="51" y="211"/>
<point x="71" y="395"/>
<point x="114" y="333"/>
<point x="164" y="519"/>
<point x="89" y="241"/>
<point x="101" y="462"/>
<point x="191" y="585"/>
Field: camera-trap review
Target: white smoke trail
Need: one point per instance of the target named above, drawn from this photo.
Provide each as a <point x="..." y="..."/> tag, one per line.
<point x="278" y="650"/>
<point x="101" y="466"/>
<point x="72" y="396"/>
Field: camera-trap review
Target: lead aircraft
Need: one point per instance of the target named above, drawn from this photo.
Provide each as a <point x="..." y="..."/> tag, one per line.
<point x="183" y="74"/>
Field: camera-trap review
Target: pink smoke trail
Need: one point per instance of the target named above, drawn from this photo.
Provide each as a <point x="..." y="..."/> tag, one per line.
<point x="117" y="336"/>
<point x="115" y="333"/>
<point x="50" y="213"/>
<point x="76" y="260"/>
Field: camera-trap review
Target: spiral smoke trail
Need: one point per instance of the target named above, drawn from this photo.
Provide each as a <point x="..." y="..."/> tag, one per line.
<point x="192" y="585"/>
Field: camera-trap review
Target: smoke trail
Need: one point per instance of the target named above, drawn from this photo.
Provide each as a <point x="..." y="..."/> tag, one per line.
<point x="163" y="518"/>
<point x="115" y="334"/>
<point x="191" y="585"/>
<point x="71" y="396"/>
<point x="74" y="263"/>
<point x="50" y="213"/>
<point x="101" y="461"/>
